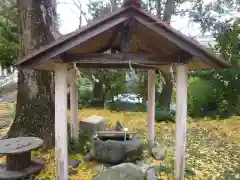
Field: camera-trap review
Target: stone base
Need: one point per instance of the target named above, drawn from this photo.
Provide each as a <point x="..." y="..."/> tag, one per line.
<point x="92" y="124"/>
<point x="35" y="167"/>
<point x="115" y="152"/>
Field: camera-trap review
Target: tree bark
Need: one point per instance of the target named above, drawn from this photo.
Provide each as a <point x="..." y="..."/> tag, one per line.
<point x="35" y="103"/>
<point x="113" y="5"/>
<point x="145" y="92"/>
<point x="168" y="10"/>
<point x="159" y="8"/>
<point x="166" y="94"/>
<point x="98" y="90"/>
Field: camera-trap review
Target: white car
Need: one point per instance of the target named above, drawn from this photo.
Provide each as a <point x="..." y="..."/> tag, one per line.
<point x="128" y="97"/>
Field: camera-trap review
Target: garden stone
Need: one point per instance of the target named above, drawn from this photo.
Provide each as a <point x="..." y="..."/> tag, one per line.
<point x="92" y="124"/>
<point x="143" y="167"/>
<point x="159" y="152"/>
<point x="107" y="151"/>
<point x="133" y="148"/>
<point x="125" y="171"/>
<point x="114" y="152"/>
<point x="151" y="174"/>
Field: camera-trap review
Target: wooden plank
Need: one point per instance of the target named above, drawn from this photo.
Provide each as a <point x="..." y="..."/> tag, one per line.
<point x="74" y="106"/>
<point x="61" y="141"/>
<point x="87" y="57"/>
<point x="151" y="108"/>
<point x="111" y="40"/>
<point x="151" y="42"/>
<point x="141" y="58"/>
<point x="19" y="145"/>
<point x="181" y="119"/>
<point x="50" y="67"/>
<point x="116" y="66"/>
<point x="126" y="36"/>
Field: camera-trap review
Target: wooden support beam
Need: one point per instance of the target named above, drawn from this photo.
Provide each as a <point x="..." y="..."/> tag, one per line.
<point x="141" y="58"/>
<point x="61" y="141"/>
<point x="111" y="40"/>
<point x="126" y="37"/>
<point x="116" y="66"/>
<point x="181" y="119"/>
<point x="151" y="108"/>
<point x="74" y="105"/>
<point x="5" y="73"/>
<point x="101" y="57"/>
<point x="1" y="70"/>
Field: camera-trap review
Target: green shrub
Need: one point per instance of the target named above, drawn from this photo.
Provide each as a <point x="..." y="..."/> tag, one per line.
<point x="139" y="108"/>
<point x="163" y="115"/>
<point x="96" y="103"/>
<point x="113" y="106"/>
<point x="201" y="97"/>
<point x="82" y="145"/>
<point x="85" y="96"/>
<point x="126" y="106"/>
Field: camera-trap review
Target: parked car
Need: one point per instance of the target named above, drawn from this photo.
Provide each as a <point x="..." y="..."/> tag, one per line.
<point x="129" y="98"/>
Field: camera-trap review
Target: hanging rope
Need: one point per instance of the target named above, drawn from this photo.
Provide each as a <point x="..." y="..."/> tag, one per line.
<point x="132" y="70"/>
<point x="78" y="74"/>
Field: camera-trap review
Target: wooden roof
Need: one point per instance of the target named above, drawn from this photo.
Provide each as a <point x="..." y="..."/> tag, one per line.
<point x="160" y="44"/>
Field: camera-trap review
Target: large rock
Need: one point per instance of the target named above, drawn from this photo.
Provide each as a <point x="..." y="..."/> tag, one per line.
<point x="125" y="171"/>
<point x="159" y="152"/>
<point x="133" y="148"/>
<point x="108" y="152"/>
<point x="92" y="124"/>
<point x="113" y="152"/>
<point x="151" y="174"/>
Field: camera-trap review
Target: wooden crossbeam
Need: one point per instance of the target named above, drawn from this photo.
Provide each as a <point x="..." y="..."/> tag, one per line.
<point x="122" y="58"/>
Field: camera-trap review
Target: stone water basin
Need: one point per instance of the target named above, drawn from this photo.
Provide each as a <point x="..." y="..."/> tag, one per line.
<point x="110" y="147"/>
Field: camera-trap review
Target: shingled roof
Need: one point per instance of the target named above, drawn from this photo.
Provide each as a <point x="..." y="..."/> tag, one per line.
<point x="150" y="35"/>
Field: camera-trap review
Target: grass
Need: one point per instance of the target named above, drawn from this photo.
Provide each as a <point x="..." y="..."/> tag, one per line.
<point x="213" y="146"/>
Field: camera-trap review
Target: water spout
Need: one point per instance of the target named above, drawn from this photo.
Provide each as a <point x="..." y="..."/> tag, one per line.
<point x="125" y="134"/>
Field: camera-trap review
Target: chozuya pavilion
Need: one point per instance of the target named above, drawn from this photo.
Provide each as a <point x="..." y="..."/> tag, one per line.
<point x="134" y="37"/>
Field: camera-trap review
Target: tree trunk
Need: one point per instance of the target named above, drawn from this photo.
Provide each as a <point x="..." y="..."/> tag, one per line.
<point x="97" y="90"/>
<point x="145" y="93"/>
<point x="113" y="5"/>
<point x="159" y="8"/>
<point x="35" y="103"/>
<point x="166" y="94"/>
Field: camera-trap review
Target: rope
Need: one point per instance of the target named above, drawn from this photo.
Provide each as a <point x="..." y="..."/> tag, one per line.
<point x="78" y="74"/>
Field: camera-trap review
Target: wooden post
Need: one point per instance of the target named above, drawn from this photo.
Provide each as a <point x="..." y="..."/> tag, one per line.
<point x="5" y="72"/>
<point x="151" y="108"/>
<point x="74" y="105"/>
<point x="1" y="70"/>
<point x="19" y="161"/>
<point x="61" y="139"/>
<point x="181" y="119"/>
